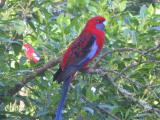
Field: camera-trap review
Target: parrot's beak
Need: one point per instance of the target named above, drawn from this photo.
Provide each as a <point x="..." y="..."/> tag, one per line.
<point x="101" y="26"/>
<point x="105" y="23"/>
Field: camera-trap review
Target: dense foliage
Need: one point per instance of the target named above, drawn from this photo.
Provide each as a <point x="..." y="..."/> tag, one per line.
<point x="125" y="84"/>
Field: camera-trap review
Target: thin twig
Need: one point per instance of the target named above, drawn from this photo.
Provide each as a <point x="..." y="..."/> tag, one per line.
<point x="129" y="95"/>
<point x="124" y="92"/>
<point x="103" y="110"/>
<point x="142" y="52"/>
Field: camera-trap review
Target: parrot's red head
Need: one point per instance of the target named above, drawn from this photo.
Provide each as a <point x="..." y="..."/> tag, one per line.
<point x="97" y="22"/>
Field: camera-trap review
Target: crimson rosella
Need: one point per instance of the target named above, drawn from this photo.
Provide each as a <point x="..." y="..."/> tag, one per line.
<point x="79" y="54"/>
<point x="30" y="53"/>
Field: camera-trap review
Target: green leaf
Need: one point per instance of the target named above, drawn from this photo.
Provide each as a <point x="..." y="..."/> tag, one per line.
<point x="38" y="15"/>
<point x="151" y="10"/>
<point x="17" y="48"/>
<point x="122" y="5"/>
<point x="88" y="109"/>
<point x="143" y="12"/>
<point x="7" y="40"/>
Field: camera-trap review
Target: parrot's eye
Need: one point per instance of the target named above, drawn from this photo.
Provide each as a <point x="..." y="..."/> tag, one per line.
<point x="98" y="21"/>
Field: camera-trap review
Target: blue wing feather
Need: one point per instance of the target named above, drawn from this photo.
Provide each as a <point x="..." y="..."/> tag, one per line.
<point x="91" y="54"/>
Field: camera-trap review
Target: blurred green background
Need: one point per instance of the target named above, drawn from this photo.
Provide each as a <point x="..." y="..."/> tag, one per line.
<point x="49" y="26"/>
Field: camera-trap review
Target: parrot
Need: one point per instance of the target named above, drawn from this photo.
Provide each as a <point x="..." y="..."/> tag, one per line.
<point x="30" y="53"/>
<point x="78" y="55"/>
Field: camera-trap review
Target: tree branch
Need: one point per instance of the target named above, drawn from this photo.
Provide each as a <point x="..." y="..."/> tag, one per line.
<point x="130" y="96"/>
<point x="124" y="92"/>
<point x="142" y="52"/>
<point x="100" y="109"/>
<point x="12" y="91"/>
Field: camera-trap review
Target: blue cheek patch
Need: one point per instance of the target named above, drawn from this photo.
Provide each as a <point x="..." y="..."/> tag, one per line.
<point x="100" y="26"/>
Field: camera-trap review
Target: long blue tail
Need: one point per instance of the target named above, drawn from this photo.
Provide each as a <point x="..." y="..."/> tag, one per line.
<point x="66" y="84"/>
